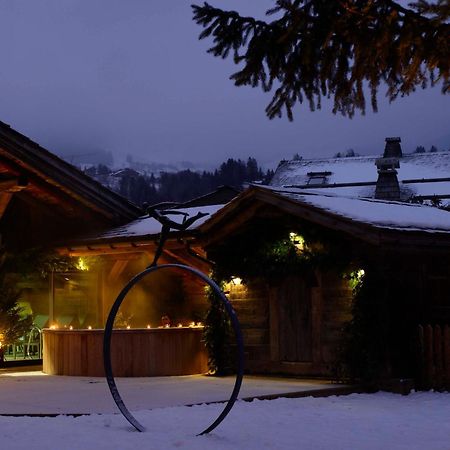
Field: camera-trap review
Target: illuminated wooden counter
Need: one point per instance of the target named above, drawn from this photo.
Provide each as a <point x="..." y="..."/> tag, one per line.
<point x="134" y="353"/>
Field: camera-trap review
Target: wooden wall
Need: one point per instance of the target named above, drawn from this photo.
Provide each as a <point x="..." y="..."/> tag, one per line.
<point x="336" y="311"/>
<point x="134" y="353"/>
<point x="259" y="309"/>
<point x="251" y="303"/>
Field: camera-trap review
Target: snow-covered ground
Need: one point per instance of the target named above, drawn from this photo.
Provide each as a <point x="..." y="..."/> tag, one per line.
<point x="36" y="393"/>
<point x="354" y="422"/>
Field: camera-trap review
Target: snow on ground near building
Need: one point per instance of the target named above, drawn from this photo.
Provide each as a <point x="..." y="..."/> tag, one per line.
<point x="358" y="421"/>
<point x="37" y="393"/>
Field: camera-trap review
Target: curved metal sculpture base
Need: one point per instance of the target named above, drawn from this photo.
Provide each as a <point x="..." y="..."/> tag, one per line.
<point x="108" y="332"/>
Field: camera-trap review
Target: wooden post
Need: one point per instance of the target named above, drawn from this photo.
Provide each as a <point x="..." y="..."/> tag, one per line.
<point x="428" y="353"/>
<point x="101" y="298"/>
<point x="438" y="359"/>
<point x="446" y="353"/>
<point x="51" y="298"/>
<point x="274" y="325"/>
<point x="316" y="312"/>
<point x="421" y="374"/>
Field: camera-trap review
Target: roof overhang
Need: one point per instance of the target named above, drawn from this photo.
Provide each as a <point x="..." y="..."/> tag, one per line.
<point x="254" y="200"/>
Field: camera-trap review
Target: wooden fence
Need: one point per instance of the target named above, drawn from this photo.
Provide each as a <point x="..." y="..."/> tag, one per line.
<point x="433" y="357"/>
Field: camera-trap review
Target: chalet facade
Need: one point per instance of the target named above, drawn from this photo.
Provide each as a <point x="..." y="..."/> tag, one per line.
<point x="293" y="322"/>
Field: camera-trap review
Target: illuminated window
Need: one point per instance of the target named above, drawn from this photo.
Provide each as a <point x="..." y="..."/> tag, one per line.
<point x="318" y="177"/>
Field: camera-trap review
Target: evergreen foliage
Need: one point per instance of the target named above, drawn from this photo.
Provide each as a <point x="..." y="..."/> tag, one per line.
<point x="13" y="324"/>
<point x="334" y="49"/>
<point x="420" y="149"/>
<point x="270" y="253"/>
<point x="363" y="352"/>
<point x="217" y="336"/>
<point x="379" y="341"/>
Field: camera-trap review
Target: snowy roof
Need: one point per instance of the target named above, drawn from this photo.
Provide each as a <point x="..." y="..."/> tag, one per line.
<point x="374" y="221"/>
<point x="413" y="167"/>
<point x="377" y="213"/>
<point x="147" y="226"/>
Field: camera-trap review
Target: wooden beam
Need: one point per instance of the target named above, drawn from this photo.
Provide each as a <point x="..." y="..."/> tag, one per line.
<point x="5" y="198"/>
<point x="188" y="261"/>
<point x="231" y="223"/>
<point x="7" y="185"/>
<point x="117" y="268"/>
<point x="105" y="250"/>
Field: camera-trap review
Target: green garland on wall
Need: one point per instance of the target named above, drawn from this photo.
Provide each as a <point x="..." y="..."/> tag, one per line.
<point x="273" y="253"/>
<point x="217" y="335"/>
<point x="270" y="253"/>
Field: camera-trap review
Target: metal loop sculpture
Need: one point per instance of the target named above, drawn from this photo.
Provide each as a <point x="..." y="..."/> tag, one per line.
<point x="167" y="225"/>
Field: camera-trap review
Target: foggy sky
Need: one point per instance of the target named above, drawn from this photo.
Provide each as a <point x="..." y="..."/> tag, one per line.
<point x="132" y="77"/>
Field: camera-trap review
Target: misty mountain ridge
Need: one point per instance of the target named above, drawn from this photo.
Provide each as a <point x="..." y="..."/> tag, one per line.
<point x="141" y="186"/>
<point x="94" y="157"/>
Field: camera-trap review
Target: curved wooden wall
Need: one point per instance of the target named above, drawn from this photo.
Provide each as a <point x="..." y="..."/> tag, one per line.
<point x="134" y="353"/>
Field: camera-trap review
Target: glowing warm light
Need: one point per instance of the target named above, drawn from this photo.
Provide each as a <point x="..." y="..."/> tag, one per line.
<point x="236" y="281"/>
<point x="356" y="277"/>
<point x="149" y="326"/>
<point x="298" y="241"/>
<point x="180" y="325"/>
<point x="89" y="327"/>
<point x="199" y="324"/>
<point x="128" y="327"/>
<point x="166" y="325"/>
<point x="191" y="324"/>
<point x="71" y="327"/>
<point x="53" y="327"/>
<point x="81" y="265"/>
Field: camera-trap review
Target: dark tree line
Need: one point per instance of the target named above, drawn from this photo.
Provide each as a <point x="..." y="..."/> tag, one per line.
<point x="183" y="185"/>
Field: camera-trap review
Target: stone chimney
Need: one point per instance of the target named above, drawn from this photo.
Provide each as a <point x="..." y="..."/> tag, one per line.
<point x="387" y="184"/>
<point x="393" y="148"/>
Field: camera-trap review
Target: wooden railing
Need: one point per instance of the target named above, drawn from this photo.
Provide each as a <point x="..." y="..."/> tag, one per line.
<point x="433" y="357"/>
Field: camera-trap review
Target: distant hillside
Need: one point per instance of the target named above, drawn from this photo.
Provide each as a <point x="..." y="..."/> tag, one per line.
<point x="140" y="187"/>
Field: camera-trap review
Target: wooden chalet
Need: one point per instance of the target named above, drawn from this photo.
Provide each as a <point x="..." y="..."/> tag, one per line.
<point x="293" y="323"/>
<point x="44" y="199"/>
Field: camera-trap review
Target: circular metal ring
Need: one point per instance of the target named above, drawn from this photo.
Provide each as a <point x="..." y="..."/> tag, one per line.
<point x="109" y="328"/>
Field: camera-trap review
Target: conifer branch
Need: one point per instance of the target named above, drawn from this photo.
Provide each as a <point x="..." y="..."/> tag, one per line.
<point x="337" y="50"/>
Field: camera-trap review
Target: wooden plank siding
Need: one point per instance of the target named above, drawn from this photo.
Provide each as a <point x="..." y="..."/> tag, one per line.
<point x="251" y="304"/>
<point x="134" y="353"/>
<point x="433" y="357"/>
<point x="336" y="311"/>
<point x="274" y="343"/>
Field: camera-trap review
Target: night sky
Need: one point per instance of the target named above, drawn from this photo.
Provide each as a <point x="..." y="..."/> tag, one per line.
<point x="132" y="77"/>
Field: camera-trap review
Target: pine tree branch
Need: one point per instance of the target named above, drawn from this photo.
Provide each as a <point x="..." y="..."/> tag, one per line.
<point x="335" y="50"/>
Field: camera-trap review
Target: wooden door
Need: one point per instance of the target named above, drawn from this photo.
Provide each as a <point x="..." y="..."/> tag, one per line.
<point x="295" y="320"/>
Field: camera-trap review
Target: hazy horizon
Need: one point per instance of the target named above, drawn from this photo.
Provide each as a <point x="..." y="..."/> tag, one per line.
<point x="133" y="78"/>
